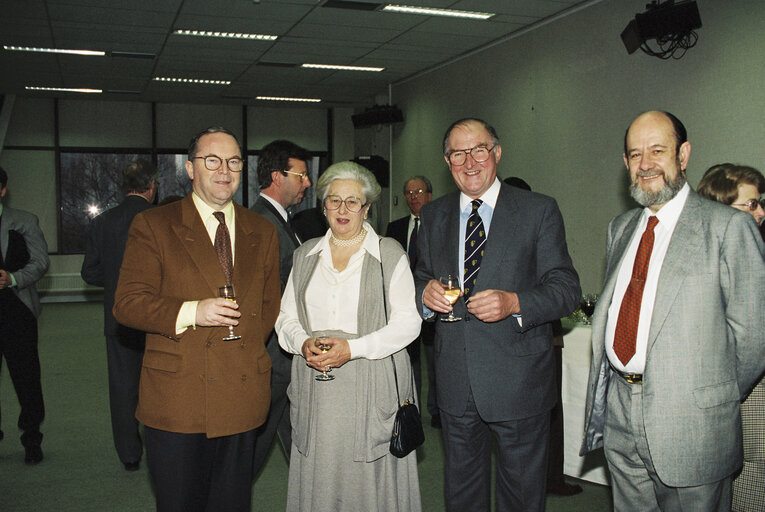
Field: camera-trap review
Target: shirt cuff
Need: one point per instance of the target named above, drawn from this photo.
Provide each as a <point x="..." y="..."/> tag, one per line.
<point x="187" y="316"/>
<point x="13" y="280"/>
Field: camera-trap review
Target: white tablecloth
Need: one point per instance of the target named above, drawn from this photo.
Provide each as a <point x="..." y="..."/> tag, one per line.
<point x="577" y="353"/>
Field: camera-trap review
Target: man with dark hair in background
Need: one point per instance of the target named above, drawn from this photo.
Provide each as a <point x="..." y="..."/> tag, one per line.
<point x="418" y="191"/>
<point x="678" y="337"/>
<point x="283" y="178"/>
<point x="23" y="261"/>
<point x="124" y="346"/>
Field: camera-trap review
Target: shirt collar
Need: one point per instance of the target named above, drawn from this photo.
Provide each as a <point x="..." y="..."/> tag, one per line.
<point x="206" y="211"/>
<point x="275" y="204"/>
<point x="489" y="197"/>
<point x="670" y="212"/>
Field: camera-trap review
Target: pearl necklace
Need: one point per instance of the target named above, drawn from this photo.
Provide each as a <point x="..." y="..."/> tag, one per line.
<point x="340" y="242"/>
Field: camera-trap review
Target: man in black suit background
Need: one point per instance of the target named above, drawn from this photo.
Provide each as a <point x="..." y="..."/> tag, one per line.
<point x="124" y="346"/>
<point x="283" y="178"/>
<point x="418" y="191"/>
<point x="23" y="261"/>
<point x="496" y="366"/>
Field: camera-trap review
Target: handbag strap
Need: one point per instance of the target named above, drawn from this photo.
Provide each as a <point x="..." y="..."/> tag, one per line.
<point x="385" y="308"/>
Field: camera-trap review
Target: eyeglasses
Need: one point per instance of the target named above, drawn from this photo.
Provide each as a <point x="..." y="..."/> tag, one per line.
<point x="479" y="154"/>
<point x="213" y="163"/>
<point x="412" y="193"/>
<point x="303" y="175"/>
<point x="750" y="205"/>
<point x="352" y="204"/>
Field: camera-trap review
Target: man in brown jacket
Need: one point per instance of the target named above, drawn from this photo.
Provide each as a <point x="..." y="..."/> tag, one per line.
<point x="202" y="397"/>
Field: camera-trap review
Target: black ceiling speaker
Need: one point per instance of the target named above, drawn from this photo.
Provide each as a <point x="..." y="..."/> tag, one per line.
<point x="671" y="24"/>
<point x="378" y="114"/>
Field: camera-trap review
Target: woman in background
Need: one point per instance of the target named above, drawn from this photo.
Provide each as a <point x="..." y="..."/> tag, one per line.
<point x="741" y="187"/>
<point x="341" y="428"/>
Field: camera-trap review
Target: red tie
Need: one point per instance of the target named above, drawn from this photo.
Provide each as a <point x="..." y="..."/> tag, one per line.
<point x="625" y="336"/>
<point x="223" y="246"/>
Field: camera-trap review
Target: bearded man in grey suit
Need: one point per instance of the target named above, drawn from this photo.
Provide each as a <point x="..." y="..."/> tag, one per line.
<point x="495" y="368"/>
<point x="678" y="345"/>
<point x="283" y="179"/>
<point x="23" y="261"/>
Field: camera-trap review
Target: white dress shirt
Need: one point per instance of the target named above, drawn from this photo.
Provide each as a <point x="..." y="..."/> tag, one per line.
<point x="332" y="299"/>
<point x="667" y="215"/>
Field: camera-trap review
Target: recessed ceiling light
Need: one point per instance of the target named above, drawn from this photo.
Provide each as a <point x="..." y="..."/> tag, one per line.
<point x="228" y="35"/>
<point x="191" y="80"/>
<point x="53" y="50"/>
<point x="343" y="68"/>
<point x="406" y="9"/>
<point x="281" y="98"/>
<point x="63" y="89"/>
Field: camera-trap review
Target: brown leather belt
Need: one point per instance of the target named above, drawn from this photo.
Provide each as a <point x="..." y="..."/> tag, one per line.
<point x="630" y="378"/>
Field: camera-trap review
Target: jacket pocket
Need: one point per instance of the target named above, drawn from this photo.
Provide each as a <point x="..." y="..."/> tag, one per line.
<point x="712" y="396"/>
<point x="164" y="361"/>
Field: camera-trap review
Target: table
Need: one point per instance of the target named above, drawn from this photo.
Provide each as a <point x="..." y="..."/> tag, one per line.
<point x="577" y="353"/>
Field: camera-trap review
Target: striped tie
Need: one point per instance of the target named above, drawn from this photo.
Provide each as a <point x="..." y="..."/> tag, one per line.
<point x="475" y="239"/>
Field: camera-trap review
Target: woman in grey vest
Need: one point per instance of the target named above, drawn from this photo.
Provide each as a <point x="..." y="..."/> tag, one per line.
<point x="353" y="291"/>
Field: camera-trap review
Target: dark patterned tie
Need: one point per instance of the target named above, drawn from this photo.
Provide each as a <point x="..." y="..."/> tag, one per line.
<point x="223" y="247"/>
<point x="412" y="249"/>
<point x="475" y="239"/>
<point x="625" y="336"/>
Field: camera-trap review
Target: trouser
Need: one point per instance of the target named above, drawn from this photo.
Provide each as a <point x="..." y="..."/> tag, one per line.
<point x="124" y="356"/>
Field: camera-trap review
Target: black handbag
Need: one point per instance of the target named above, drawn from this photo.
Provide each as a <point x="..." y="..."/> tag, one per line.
<point x="407" y="426"/>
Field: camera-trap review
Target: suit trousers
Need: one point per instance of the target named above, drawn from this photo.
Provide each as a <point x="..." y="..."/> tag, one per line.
<point x="124" y="356"/>
<point x="192" y="473"/>
<point x="634" y="482"/>
<point x="278" y="420"/>
<point x="18" y="343"/>
<point x="555" y="457"/>
<point x="427" y="335"/>
<point x="521" y="462"/>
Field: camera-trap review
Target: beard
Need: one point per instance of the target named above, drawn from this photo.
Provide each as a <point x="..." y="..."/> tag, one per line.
<point x="670" y="189"/>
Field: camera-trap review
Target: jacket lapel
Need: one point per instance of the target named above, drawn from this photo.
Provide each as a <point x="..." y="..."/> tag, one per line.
<point x="446" y="224"/>
<point x="248" y="251"/>
<point x="506" y="214"/>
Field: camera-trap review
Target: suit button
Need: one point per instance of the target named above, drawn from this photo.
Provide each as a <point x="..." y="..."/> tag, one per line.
<point x="244" y="377"/>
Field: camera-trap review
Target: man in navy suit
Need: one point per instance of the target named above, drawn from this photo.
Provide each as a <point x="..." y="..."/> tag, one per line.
<point x="495" y="367"/>
<point x="283" y="178"/>
<point x="418" y="191"/>
<point x="23" y="261"/>
<point x="124" y="346"/>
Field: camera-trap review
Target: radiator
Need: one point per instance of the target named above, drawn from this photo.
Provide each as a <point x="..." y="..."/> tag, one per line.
<point x="66" y="288"/>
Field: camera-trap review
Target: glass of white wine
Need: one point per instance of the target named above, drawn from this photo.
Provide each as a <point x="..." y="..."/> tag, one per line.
<point x="452" y="292"/>
<point x="324" y="348"/>
<point x="227" y="292"/>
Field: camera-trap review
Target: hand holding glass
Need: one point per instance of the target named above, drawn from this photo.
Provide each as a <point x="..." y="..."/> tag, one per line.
<point x="587" y="305"/>
<point x="324" y="348"/>
<point x="452" y="292"/>
<point x="227" y="292"/>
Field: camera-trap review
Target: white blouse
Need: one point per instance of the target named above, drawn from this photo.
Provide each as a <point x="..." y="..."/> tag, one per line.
<point x="332" y="300"/>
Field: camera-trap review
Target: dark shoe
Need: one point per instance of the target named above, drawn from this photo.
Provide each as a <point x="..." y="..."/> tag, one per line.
<point x="1" y="435"/>
<point x="435" y="421"/>
<point x="564" y="489"/>
<point x="132" y="466"/>
<point x="34" y="454"/>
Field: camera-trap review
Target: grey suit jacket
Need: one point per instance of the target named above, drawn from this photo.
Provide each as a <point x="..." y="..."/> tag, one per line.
<point x="510" y="369"/>
<point x="27" y="225"/>
<point x="706" y="344"/>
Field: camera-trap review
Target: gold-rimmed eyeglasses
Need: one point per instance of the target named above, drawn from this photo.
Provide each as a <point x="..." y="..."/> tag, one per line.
<point x="214" y="162"/>
<point x="750" y="205"/>
<point x="352" y="203"/>
<point x="302" y="175"/>
<point x="412" y="193"/>
<point x="479" y="153"/>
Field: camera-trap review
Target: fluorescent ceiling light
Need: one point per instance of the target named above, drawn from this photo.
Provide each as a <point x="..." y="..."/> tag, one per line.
<point x="438" y="12"/>
<point x="229" y="35"/>
<point x="343" y="68"/>
<point x="63" y="89"/>
<point x="191" y="80"/>
<point x="280" y="98"/>
<point x="53" y="50"/>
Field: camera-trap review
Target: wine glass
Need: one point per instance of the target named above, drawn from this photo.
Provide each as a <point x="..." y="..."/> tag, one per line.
<point x="227" y="292"/>
<point x="452" y="292"/>
<point x="324" y="348"/>
<point x="587" y="304"/>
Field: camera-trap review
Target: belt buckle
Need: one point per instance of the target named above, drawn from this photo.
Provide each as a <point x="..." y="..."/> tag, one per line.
<point x="633" y="378"/>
